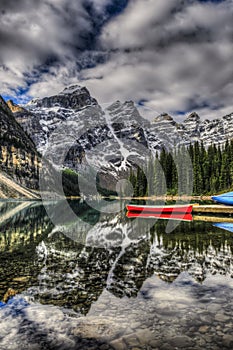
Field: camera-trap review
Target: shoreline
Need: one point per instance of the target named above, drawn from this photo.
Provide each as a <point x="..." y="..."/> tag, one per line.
<point x="153" y="198"/>
<point x="165" y="198"/>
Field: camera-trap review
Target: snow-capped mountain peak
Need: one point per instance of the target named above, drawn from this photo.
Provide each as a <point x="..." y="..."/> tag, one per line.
<point x="121" y="131"/>
<point x="73" y="89"/>
<point x="74" y="97"/>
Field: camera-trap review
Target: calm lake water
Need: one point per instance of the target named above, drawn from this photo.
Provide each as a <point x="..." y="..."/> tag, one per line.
<point x="91" y="280"/>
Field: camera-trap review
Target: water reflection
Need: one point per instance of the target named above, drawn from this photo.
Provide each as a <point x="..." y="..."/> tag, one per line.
<point x="109" y="266"/>
<point x="107" y="253"/>
<point x="225" y="226"/>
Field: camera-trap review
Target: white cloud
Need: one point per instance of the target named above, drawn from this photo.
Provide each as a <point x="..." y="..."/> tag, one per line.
<point x="54" y="80"/>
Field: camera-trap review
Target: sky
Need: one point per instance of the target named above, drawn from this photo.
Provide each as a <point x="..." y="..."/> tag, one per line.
<point x="171" y="56"/>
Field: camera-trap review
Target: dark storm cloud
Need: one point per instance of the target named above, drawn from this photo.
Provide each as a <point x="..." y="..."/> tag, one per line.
<point x="151" y="24"/>
<point x="35" y="32"/>
<point x="168" y="53"/>
<point x="38" y="38"/>
<point x="17" y="6"/>
<point x="172" y="54"/>
<point x="54" y="28"/>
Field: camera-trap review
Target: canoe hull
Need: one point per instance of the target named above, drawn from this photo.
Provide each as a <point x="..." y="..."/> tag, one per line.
<point x="174" y="209"/>
<point x="224" y="199"/>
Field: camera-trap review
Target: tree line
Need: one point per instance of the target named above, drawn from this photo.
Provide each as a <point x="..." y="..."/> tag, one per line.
<point x="194" y="169"/>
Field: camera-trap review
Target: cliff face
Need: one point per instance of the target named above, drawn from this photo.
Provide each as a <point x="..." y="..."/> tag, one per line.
<point x="19" y="158"/>
<point x="14" y="107"/>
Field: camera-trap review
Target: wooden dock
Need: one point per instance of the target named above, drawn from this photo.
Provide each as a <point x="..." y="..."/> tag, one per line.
<point x="212" y="209"/>
<point x="213" y="218"/>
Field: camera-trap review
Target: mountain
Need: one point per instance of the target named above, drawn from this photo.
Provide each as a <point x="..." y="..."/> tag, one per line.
<point x="19" y="159"/>
<point x="40" y="117"/>
<point x="74" y="131"/>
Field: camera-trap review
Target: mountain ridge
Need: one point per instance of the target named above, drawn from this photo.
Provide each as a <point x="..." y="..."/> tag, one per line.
<point x="111" y="140"/>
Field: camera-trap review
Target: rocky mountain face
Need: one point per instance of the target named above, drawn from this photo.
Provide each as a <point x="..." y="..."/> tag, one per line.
<point x="73" y="130"/>
<point x="19" y="159"/>
<point x="41" y="117"/>
<point x="119" y="121"/>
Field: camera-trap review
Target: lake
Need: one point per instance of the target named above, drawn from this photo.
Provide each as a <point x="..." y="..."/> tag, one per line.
<point x="95" y="279"/>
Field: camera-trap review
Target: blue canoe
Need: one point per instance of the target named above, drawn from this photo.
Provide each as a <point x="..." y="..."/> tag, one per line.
<point x="226" y="198"/>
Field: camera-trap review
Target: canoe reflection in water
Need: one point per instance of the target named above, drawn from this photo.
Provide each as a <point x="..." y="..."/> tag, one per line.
<point x="225" y="222"/>
<point x="166" y="216"/>
<point x="225" y="226"/>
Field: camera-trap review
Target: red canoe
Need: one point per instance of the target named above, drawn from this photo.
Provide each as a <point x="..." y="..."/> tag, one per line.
<point x="180" y="217"/>
<point x="175" y="209"/>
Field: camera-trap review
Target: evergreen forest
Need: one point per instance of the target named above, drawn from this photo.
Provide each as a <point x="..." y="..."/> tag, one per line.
<point x="196" y="169"/>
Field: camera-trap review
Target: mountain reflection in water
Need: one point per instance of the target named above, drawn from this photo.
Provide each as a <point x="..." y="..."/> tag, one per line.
<point x="45" y="262"/>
